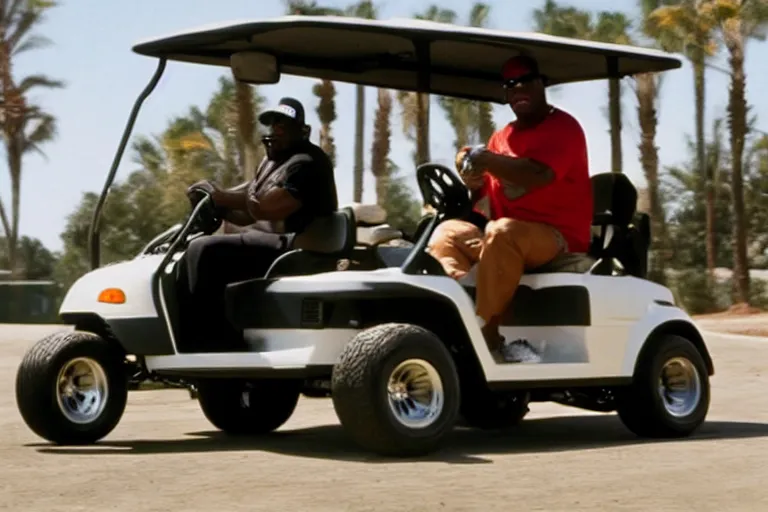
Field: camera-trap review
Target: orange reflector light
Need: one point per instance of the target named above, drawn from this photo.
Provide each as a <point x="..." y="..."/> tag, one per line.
<point x="112" y="296"/>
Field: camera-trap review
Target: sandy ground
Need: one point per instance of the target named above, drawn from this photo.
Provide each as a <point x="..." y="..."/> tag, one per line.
<point x="165" y="456"/>
<point x="747" y="323"/>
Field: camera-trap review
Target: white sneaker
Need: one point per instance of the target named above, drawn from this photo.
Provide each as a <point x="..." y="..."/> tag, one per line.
<point x="519" y="351"/>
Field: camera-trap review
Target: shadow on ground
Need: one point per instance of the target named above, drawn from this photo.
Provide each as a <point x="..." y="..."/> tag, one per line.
<point x="463" y="446"/>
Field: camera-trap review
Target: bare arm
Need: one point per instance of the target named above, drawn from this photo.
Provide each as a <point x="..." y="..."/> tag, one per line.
<point x="232" y="200"/>
<point x="523" y="172"/>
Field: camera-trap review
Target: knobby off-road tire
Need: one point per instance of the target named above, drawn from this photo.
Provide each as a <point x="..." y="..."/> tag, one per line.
<point x="487" y="410"/>
<point x="395" y="390"/>
<point x="72" y="387"/>
<point x="248" y="407"/>
<point x="642" y="406"/>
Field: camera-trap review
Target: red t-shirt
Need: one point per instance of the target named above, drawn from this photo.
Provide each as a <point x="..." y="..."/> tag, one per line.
<point x="566" y="203"/>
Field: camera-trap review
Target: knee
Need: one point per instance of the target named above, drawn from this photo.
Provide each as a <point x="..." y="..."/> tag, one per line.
<point x="506" y="232"/>
<point x="200" y="249"/>
<point x="452" y="231"/>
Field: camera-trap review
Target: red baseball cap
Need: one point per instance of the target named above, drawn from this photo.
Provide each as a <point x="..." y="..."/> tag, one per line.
<point x="519" y="66"/>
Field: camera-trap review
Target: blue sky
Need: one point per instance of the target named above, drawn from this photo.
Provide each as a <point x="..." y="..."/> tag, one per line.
<point x="92" y="54"/>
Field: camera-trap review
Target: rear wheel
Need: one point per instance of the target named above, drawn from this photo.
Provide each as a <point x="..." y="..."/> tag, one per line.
<point x="395" y="390"/>
<point x="72" y="387"/>
<point x="248" y="407"/>
<point x="669" y="395"/>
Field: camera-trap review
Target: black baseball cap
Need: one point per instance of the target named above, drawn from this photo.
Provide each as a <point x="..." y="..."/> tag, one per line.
<point x="289" y="108"/>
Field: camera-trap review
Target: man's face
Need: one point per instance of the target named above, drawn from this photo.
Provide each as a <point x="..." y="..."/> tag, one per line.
<point x="525" y="94"/>
<point x="282" y="134"/>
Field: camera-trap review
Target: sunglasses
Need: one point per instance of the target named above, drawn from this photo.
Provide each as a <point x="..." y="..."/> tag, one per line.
<point x="525" y="79"/>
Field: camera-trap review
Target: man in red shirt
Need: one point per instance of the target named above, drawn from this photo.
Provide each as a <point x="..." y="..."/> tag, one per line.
<point x="531" y="184"/>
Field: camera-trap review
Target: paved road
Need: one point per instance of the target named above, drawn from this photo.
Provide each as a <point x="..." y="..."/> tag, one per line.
<point x="165" y="456"/>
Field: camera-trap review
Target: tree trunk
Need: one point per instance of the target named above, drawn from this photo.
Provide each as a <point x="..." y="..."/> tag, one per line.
<point x="737" y="113"/>
<point x="14" y="164"/>
<point x="359" y="141"/>
<point x="247" y="128"/>
<point x="614" y="105"/>
<point x="701" y="163"/>
<point x="382" y="131"/>
<point x="647" y="91"/>
<point x="422" y="129"/>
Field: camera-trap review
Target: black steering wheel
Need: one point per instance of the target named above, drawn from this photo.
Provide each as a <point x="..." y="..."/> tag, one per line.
<point x="443" y="190"/>
<point x="208" y="217"/>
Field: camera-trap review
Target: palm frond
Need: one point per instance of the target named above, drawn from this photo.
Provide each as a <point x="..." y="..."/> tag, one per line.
<point x="34" y="81"/>
<point x="32" y="42"/>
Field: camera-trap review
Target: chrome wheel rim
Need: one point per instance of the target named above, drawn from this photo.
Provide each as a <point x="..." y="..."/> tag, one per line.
<point x="82" y="390"/>
<point x="679" y="387"/>
<point x="415" y="393"/>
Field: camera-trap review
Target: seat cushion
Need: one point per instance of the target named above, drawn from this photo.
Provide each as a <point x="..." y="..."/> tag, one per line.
<point x="368" y="214"/>
<point x="571" y="262"/>
<point x="375" y="235"/>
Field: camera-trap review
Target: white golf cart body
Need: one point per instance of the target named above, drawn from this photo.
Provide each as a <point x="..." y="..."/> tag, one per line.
<point x="364" y="315"/>
<point x="589" y="326"/>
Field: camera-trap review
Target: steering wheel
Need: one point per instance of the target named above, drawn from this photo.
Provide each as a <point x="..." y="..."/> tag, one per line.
<point x="208" y="218"/>
<point x="443" y="190"/>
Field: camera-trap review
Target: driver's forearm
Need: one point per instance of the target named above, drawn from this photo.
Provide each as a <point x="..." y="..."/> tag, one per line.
<point x="238" y="217"/>
<point x="523" y="172"/>
<point x="231" y="200"/>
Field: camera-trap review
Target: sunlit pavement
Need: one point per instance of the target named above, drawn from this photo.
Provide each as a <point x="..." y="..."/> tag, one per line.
<point x="164" y="455"/>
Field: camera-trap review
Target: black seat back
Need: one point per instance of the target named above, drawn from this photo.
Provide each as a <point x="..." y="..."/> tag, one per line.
<point x="333" y="234"/>
<point x="623" y="234"/>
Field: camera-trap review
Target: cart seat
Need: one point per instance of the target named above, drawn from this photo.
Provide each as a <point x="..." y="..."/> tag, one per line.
<point x="621" y="235"/>
<point x="372" y="227"/>
<point x="351" y="225"/>
<point x="333" y="234"/>
<point x="572" y="262"/>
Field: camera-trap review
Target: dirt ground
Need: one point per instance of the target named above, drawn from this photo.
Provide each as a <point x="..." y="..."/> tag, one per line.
<point x="164" y="456"/>
<point x="738" y="320"/>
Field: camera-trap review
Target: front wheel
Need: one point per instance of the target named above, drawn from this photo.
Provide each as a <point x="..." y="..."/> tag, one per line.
<point x="669" y="395"/>
<point x="72" y="387"/>
<point x="248" y="407"/>
<point x="395" y="390"/>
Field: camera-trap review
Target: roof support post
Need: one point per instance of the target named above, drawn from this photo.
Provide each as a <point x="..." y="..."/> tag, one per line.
<point x="93" y="235"/>
<point x="614" y="104"/>
<point x="423" y="84"/>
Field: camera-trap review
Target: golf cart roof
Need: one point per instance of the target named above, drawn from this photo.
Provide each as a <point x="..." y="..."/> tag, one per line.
<point x="459" y="61"/>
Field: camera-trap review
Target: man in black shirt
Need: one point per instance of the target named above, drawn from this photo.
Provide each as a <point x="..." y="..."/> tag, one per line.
<point x="294" y="185"/>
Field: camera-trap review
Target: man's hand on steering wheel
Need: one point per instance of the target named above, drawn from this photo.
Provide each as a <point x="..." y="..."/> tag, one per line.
<point x="207" y="186"/>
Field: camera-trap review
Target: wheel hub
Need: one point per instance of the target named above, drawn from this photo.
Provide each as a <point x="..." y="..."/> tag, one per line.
<point x="82" y="390"/>
<point x="415" y="393"/>
<point x="680" y="387"/>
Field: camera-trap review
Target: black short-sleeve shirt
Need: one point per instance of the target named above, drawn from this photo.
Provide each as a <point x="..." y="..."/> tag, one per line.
<point x="308" y="176"/>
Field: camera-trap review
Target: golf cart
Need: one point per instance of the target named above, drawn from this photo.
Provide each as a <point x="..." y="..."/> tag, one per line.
<point x="379" y="327"/>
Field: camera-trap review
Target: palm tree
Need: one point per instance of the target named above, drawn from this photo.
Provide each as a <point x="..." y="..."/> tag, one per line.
<point x="472" y="121"/>
<point x="24" y="127"/>
<point x="646" y="89"/>
<point x="247" y="130"/>
<point x="382" y="131"/>
<point x="415" y="106"/>
<point x="609" y="27"/>
<point x="325" y="91"/>
<point x="739" y="20"/>
<point x="688" y="26"/>
<point x="363" y="9"/>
